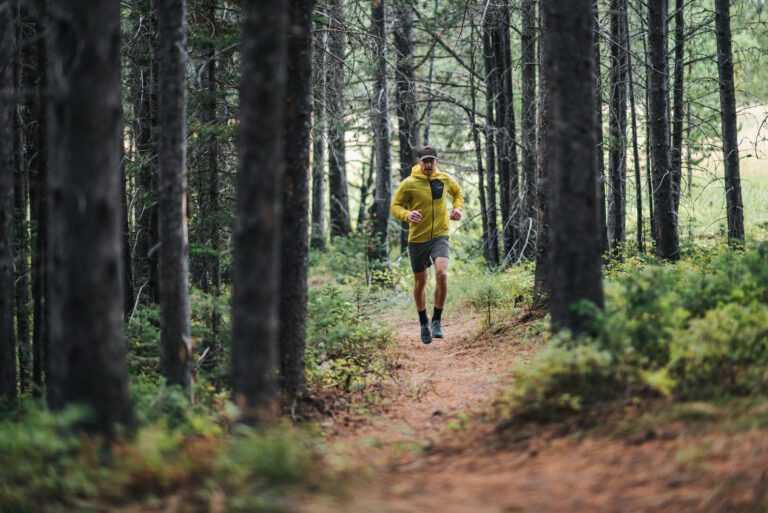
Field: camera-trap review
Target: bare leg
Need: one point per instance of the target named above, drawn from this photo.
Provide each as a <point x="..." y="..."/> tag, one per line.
<point x="420" y="289"/>
<point x="441" y="281"/>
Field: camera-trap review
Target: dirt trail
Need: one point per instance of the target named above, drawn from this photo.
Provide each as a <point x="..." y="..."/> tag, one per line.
<point x="430" y="450"/>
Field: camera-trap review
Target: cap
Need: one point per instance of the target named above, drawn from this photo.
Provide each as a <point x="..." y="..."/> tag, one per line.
<point x="426" y="152"/>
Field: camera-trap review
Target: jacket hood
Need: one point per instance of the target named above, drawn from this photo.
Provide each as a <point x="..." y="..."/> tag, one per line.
<point x="417" y="173"/>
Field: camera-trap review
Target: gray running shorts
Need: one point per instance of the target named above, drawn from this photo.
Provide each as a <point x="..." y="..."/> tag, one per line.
<point x="424" y="253"/>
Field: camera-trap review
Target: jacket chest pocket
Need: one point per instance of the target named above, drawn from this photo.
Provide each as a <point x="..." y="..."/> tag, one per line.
<point x="437" y="187"/>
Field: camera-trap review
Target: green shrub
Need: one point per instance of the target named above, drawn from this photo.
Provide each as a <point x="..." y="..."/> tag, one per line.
<point x="342" y="342"/>
<point x="563" y="381"/>
<point x="725" y="352"/>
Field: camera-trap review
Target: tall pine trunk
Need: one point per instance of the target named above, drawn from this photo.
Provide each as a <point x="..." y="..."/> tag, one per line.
<point x="88" y="360"/>
<point x="635" y="149"/>
<point x="405" y="95"/>
<point x="568" y="67"/>
<point x="7" y="114"/>
<point x="258" y="215"/>
<point x="337" y="163"/>
<point x="378" y="251"/>
<point x="617" y="129"/>
<point x="528" y="129"/>
<point x="733" y="204"/>
<point x="599" y="160"/>
<point x="175" y="336"/>
<point x="665" y="222"/>
<point x="490" y="152"/>
<point x="295" y="248"/>
<point x="319" y="123"/>
<point x="542" y="279"/>
<point x="677" y="108"/>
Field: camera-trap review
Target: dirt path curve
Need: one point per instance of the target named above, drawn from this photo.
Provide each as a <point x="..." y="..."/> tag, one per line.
<point x="428" y="449"/>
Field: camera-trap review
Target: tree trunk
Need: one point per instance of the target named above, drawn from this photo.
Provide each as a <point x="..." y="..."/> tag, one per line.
<point x="175" y="334"/>
<point x="378" y="252"/>
<point x="87" y="351"/>
<point x="7" y="114"/>
<point x="665" y="223"/>
<point x="648" y="172"/>
<point x="405" y="97"/>
<point x="599" y="160"/>
<point x="36" y="135"/>
<point x="498" y="26"/>
<point x="733" y="203"/>
<point x="319" y="122"/>
<point x="295" y="248"/>
<point x="365" y="186"/>
<point x="635" y="149"/>
<point x="568" y="67"/>
<point x="21" y="65"/>
<point x="145" y="204"/>
<point x="617" y="129"/>
<point x="677" y="109"/>
<point x="258" y="216"/>
<point x="337" y="167"/>
<point x="490" y="152"/>
<point x="478" y="152"/>
<point x="528" y="127"/>
<point x="542" y="280"/>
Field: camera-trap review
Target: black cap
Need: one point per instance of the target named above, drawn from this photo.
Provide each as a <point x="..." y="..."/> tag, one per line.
<point x="426" y="152"/>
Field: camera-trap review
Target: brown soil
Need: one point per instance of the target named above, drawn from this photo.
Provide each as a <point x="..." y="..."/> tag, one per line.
<point x="429" y="449"/>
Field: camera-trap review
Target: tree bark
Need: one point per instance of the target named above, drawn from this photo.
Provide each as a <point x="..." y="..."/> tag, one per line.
<point x="145" y="205"/>
<point x="87" y="351"/>
<point x="258" y="216"/>
<point x="175" y="336"/>
<point x="617" y="129"/>
<point x="677" y="109"/>
<point x="295" y="248"/>
<point x="7" y="111"/>
<point x="319" y="124"/>
<point x="21" y="67"/>
<point x="36" y="136"/>
<point x="599" y="160"/>
<point x="665" y="223"/>
<point x="405" y="97"/>
<point x="733" y="202"/>
<point x="568" y="66"/>
<point x="337" y="171"/>
<point x="528" y="127"/>
<point x="635" y="149"/>
<point x="490" y="152"/>
<point x="378" y="252"/>
<point x="478" y="153"/>
<point x="542" y="280"/>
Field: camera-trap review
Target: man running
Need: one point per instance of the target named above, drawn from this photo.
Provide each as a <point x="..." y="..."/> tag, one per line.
<point x="420" y="201"/>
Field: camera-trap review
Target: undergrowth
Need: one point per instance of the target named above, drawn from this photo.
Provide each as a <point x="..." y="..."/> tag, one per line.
<point x="694" y="330"/>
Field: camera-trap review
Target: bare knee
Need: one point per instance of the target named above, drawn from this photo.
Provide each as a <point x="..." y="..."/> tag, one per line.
<point x="441" y="275"/>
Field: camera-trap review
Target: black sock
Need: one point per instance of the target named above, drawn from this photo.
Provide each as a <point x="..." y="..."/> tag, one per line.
<point x="423" y="317"/>
<point x="438" y="314"/>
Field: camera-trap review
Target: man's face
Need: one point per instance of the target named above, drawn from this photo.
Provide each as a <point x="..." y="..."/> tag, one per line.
<point x="428" y="165"/>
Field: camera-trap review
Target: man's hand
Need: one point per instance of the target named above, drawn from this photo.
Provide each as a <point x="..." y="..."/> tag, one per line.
<point x="455" y="214"/>
<point x="414" y="216"/>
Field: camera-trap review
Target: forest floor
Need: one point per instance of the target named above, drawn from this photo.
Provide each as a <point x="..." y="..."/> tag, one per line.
<point x="431" y="444"/>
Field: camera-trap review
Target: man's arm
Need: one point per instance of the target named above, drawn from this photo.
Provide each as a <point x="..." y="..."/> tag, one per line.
<point x="399" y="203"/>
<point x="458" y="198"/>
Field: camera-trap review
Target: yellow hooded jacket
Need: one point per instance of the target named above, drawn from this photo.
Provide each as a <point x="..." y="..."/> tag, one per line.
<point x="427" y="195"/>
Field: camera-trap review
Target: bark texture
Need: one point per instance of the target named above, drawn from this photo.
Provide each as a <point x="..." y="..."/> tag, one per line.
<point x="319" y="123"/>
<point x="665" y="221"/>
<point x="256" y="266"/>
<point x="617" y="129"/>
<point x="405" y="95"/>
<point x="175" y="336"/>
<point x="7" y="107"/>
<point x="528" y="129"/>
<point x="377" y="247"/>
<point x="337" y="166"/>
<point x="87" y="362"/>
<point x="677" y="106"/>
<point x="295" y="246"/>
<point x="575" y="267"/>
<point x="733" y="203"/>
